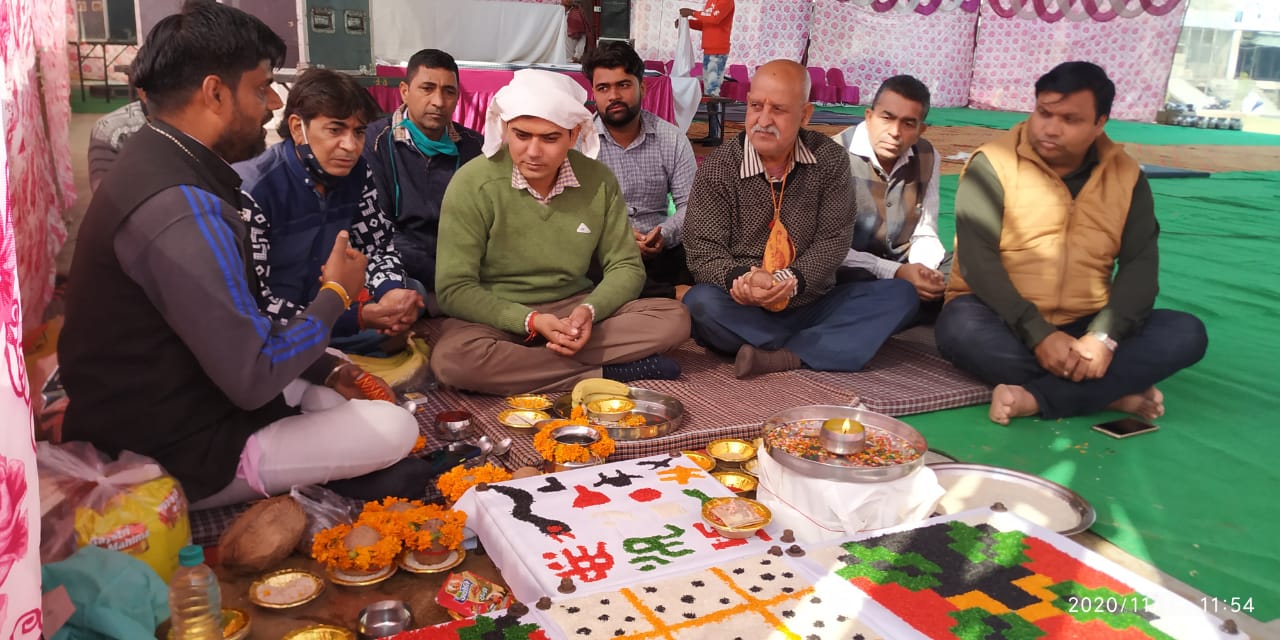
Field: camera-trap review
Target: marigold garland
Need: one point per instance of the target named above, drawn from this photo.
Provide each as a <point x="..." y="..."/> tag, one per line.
<point x="330" y="548"/>
<point x="560" y="453"/>
<point x="455" y="482"/>
<point x="419" y="445"/>
<point x="399" y="528"/>
<point x="448" y="534"/>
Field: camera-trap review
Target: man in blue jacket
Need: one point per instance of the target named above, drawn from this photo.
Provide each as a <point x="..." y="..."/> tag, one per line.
<point x="306" y="189"/>
<point x="414" y="153"/>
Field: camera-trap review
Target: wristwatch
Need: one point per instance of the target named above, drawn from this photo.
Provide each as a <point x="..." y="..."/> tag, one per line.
<point x="1105" y="339"/>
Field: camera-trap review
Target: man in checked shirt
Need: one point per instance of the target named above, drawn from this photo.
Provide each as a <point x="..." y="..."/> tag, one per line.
<point x="652" y="160"/>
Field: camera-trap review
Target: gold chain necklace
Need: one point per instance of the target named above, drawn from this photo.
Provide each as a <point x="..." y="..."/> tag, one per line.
<point x="173" y="140"/>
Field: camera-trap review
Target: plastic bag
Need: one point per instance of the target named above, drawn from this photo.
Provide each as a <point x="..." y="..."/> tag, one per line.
<point x="324" y="509"/>
<point x="130" y="505"/>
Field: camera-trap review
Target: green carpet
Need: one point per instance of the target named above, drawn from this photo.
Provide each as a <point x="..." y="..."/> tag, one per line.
<point x="1194" y="499"/>
<point x="1120" y="131"/>
<point x="92" y="104"/>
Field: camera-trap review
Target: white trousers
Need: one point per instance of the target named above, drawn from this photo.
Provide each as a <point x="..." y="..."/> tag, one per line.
<point x="333" y="439"/>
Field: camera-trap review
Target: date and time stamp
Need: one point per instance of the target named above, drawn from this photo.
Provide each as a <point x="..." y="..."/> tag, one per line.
<point x="1139" y="604"/>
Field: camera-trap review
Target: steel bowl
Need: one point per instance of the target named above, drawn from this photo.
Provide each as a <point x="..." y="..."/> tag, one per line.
<point x="383" y="619"/>
<point x="452" y="426"/>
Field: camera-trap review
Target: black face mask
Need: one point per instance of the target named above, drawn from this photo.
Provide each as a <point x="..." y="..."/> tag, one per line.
<point x="312" y="164"/>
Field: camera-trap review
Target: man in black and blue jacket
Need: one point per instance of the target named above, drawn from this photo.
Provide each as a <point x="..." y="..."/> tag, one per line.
<point x="165" y="351"/>
<point x="414" y="153"/>
<point x="306" y="189"/>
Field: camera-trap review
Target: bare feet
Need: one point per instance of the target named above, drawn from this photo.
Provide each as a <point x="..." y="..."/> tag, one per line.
<point x="1147" y="405"/>
<point x="1010" y="401"/>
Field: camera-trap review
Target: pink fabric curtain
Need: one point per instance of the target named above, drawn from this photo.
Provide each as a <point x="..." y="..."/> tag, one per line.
<point x="763" y="30"/>
<point x="37" y="113"/>
<point x="1136" y="49"/>
<point x="870" y="46"/>
<point x="19" y="506"/>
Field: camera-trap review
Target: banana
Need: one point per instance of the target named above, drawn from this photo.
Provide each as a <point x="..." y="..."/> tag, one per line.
<point x="598" y="386"/>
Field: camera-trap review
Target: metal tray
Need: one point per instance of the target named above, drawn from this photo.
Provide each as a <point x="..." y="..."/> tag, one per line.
<point x="1033" y="498"/>
<point x="836" y="467"/>
<point x="663" y="413"/>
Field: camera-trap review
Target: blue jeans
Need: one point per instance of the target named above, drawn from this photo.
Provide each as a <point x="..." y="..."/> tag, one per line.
<point x="839" y="332"/>
<point x="974" y="337"/>
<point x="368" y="342"/>
<point x="713" y="68"/>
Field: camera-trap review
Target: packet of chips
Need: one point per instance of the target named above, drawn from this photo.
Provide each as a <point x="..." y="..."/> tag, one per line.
<point x="130" y="505"/>
<point x="465" y="595"/>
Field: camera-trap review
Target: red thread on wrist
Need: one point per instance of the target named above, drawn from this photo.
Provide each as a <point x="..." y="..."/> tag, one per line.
<point x="533" y="333"/>
<point x="362" y="299"/>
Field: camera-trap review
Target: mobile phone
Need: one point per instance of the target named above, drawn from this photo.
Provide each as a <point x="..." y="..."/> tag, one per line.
<point x="1125" y="428"/>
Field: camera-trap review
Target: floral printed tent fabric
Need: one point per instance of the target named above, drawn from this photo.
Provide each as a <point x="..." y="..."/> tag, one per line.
<point x="19" y="509"/>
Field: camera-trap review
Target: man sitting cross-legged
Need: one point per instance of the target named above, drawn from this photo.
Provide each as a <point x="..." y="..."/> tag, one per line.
<point x="518" y="231"/>
<point x="895" y="183"/>
<point x="306" y="189"/>
<point x="1057" y="266"/>
<point x="652" y="160"/>
<point x="165" y="351"/>
<point x="768" y="223"/>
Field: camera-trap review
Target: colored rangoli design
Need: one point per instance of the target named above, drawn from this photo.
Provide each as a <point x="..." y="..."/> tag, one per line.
<point x="955" y="580"/>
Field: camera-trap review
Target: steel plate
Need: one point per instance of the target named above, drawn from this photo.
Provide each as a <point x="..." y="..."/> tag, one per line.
<point x="1040" y="501"/>
<point x="837" y="467"/>
<point x="663" y="414"/>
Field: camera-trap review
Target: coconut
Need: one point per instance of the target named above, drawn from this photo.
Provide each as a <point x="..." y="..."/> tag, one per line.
<point x="262" y="536"/>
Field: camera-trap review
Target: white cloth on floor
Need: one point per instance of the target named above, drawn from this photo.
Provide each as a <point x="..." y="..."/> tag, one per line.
<point x="818" y="510"/>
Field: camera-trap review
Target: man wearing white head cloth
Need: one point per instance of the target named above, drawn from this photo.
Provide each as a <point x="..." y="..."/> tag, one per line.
<point x="519" y="228"/>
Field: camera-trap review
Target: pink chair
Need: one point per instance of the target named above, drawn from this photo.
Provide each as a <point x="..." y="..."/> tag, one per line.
<point x="736" y="83"/>
<point x="844" y="93"/>
<point x="669" y="64"/>
<point x="655" y="65"/>
<point x="821" y="91"/>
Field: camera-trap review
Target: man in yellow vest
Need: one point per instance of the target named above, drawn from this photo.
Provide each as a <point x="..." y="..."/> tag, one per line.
<point x="1056" y="266"/>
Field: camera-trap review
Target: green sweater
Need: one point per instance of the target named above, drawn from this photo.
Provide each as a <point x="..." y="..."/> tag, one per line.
<point x="500" y="249"/>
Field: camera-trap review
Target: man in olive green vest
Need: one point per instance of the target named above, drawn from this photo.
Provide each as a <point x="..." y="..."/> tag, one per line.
<point x="1056" y="266"/>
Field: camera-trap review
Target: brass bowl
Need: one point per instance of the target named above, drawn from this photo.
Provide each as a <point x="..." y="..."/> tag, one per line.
<point x="522" y="418"/>
<point x="752" y="467"/>
<point x="737" y="481"/>
<point x="730" y="453"/>
<point x="708" y="515"/>
<point x="703" y="460"/>
<point x="260" y="590"/>
<point x="235" y="625"/>
<point x="531" y="401"/>
<point x="320" y="632"/>
<point x="610" y="409"/>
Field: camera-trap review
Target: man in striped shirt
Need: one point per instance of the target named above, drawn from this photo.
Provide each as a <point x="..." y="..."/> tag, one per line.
<point x="768" y="225"/>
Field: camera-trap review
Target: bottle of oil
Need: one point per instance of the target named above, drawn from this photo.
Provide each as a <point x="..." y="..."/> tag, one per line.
<point x="195" y="602"/>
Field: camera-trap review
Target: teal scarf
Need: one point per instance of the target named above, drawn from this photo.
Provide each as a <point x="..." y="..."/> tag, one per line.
<point x="444" y="146"/>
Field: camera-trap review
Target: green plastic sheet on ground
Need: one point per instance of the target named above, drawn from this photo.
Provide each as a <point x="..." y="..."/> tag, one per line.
<point x="1198" y="498"/>
<point x="1120" y="131"/>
